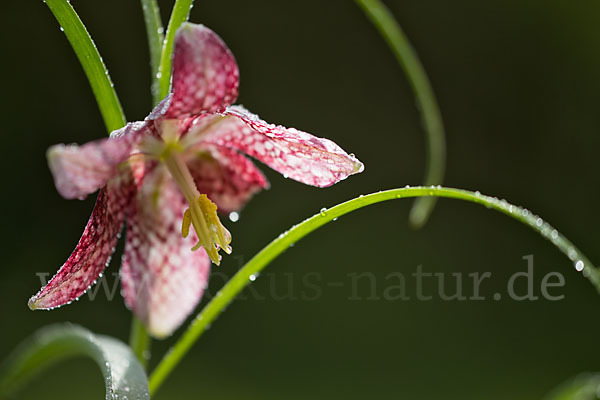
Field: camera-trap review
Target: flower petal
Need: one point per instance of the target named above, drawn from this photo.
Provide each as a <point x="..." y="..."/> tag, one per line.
<point x="293" y="153"/>
<point x="227" y="177"/>
<point x="163" y="279"/>
<point x="205" y="74"/>
<point x="94" y="249"/>
<point x="81" y="170"/>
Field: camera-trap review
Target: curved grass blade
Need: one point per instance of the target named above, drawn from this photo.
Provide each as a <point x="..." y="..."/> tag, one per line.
<point x="124" y="377"/>
<point x="389" y="28"/>
<point x="243" y="277"/>
<point x="582" y="387"/>
<point x="156" y="37"/>
<point x="180" y="14"/>
<point x="92" y="64"/>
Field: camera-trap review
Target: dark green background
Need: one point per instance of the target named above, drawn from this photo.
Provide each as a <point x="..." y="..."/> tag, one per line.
<point x="518" y="82"/>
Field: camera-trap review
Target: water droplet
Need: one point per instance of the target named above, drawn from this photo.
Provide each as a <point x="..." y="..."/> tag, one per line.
<point x="62" y="29"/>
<point x="478" y="193"/>
<point x="158" y="75"/>
<point x="234" y="216"/>
<point x="579" y="265"/>
<point x="323" y="212"/>
<point x="539" y="222"/>
<point x="525" y="212"/>
<point x="335" y="219"/>
<point x="252" y="277"/>
<point x="554" y="234"/>
<point x="160" y="30"/>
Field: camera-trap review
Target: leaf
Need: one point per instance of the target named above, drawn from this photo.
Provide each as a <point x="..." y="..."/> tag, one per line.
<point x="431" y="117"/>
<point x="253" y="267"/>
<point x="180" y="14"/>
<point x="123" y="375"/>
<point x="582" y="387"/>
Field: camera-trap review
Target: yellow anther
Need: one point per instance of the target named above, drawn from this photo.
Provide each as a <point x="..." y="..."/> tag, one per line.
<point x="185" y="224"/>
<point x="211" y="233"/>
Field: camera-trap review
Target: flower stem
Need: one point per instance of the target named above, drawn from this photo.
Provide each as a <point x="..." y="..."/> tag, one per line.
<point x="389" y="28"/>
<point x="139" y="341"/>
<point x="156" y="37"/>
<point x="92" y="64"/>
<point x="283" y="242"/>
<point x="180" y="14"/>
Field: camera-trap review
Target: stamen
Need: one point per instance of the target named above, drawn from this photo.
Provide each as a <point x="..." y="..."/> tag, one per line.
<point x="202" y="213"/>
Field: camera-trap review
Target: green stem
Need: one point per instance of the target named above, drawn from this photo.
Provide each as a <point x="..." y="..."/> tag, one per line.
<point x="156" y="37"/>
<point x="139" y="341"/>
<point x="92" y="64"/>
<point x="279" y="245"/>
<point x="180" y="14"/>
<point x="389" y="28"/>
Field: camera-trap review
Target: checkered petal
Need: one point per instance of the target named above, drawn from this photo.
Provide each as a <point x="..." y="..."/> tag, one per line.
<point x="293" y="153"/>
<point x="227" y="177"/>
<point x="81" y="170"/>
<point x="94" y="249"/>
<point x="162" y="278"/>
<point x="205" y="74"/>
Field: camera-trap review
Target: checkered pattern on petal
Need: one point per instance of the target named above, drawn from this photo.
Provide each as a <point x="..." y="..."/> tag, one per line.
<point x="293" y="153"/>
<point x="81" y="170"/>
<point x="94" y="249"/>
<point x="205" y="74"/>
<point x="227" y="177"/>
<point x="162" y="278"/>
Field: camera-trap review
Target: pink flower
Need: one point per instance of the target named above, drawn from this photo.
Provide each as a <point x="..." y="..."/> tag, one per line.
<point x="168" y="173"/>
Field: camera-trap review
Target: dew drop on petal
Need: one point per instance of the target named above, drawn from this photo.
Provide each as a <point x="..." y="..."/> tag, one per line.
<point x="234" y="216"/>
<point x="579" y="265"/>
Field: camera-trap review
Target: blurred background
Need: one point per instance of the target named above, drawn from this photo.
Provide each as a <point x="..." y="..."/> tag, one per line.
<point x="518" y="83"/>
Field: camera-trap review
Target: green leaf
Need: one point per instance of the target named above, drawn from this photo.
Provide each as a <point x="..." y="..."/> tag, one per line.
<point x="123" y="375"/>
<point x="180" y="14"/>
<point x="92" y="64"/>
<point x="583" y="387"/>
<point x="431" y="117"/>
<point x="156" y="38"/>
<point x="244" y="276"/>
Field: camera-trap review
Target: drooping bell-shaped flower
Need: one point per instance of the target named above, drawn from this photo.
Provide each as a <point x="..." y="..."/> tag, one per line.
<point x="167" y="175"/>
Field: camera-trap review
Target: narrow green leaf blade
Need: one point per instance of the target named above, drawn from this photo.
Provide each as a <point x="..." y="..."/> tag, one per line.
<point x="123" y="375"/>
<point x="92" y="64"/>
<point x="156" y="38"/>
<point x="180" y="14"/>
<point x="431" y="116"/>
<point x="253" y="267"/>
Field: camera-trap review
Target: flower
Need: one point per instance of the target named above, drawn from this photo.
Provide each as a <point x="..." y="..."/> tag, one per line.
<point x="169" y="173"/>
